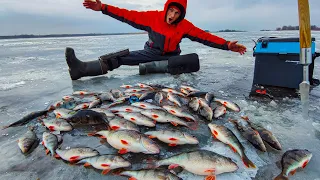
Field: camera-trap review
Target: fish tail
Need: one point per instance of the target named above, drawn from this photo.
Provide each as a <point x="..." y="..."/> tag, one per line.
<point x="5" y="127"/>
<point x="118" y="172"/>
<point x="281" y="177"/>
<point x="247" y="162"/>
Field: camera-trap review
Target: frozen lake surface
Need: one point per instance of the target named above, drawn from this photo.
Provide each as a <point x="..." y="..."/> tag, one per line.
<point x="33" y="72"/>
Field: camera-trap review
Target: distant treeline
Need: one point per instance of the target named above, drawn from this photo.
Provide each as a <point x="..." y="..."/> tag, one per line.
<point x="231" y="30"/>
<point x="285" y="28"/>
<point x="63" y="35"/>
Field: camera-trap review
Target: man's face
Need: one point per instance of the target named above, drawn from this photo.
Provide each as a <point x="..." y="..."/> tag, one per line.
<point x="172" y="15"/>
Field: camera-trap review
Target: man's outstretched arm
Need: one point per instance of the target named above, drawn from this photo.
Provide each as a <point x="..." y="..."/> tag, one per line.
<point x="196" y="34"/>
<point x="137" y="19"/>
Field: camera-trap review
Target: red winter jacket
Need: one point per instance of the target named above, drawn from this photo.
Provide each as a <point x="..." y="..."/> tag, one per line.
<point x="163" y="36"/>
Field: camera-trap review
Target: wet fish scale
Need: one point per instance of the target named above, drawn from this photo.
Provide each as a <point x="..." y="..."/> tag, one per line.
<point x="106" y="162"/>
<point x="292" y="160"/>
<point x="150" y="175"/>
<point x="50" y="141"/>
<point x="26" y="142"/>
<point x="251" y="135"/>
<point x="173" y="137"/>
<point x="137" y="118"/>
<point x="201" y="162"/>
<point x="88" y="117"/>
<point x="76" y="154"/>
<point x="122" y="124"/>
<point x="178" y="112"/>
<point x="130" y="141"/>
<point x="226" y="136"/>
<point x="163" y="117"/>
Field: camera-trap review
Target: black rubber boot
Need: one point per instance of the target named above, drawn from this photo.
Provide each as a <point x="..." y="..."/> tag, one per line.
<point x="153" y="67"/>
<point x="78" y="69"/>
<point x="105" y="63"/>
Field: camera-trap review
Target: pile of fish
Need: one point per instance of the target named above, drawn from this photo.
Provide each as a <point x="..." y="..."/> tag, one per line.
<point x="127" y="117"/>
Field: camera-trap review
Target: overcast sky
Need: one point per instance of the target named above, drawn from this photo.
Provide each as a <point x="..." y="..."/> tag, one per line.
<point x="69" y="16"/>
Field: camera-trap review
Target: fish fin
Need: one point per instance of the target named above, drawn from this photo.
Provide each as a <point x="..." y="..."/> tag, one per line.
<point x="247" y="162"/>
<point x="281" y="177"/>
<point x="132" y="178"/>
<point x="105" y="165"/>
<point x="106" y="171"/>
<point x="91" y="134"/>
<point x="293" y="172"/>
<point x="115" y="127"/>
<point x="123" y="151"/>
<point x="42" y="143"/>
<point x="233" y="148"/>
<point x="172" y="145"/>
<point x="132" y="119"/>
<point x="172" y="166"/>
<point x="305" y="164"/>
<point x="57" y="156"/>
<point x="173" y="123"/>
<point x="73" y="158"/>
<point x="155" y="122"/>
<point x="172" y="111"/>
<point x="189" y="119"/>
<point x="210" y="177"/>
<point x="152" y="137"/>
<point x="47" y="151"/>
<point x="103" y="137"/>
<point x="51" y="128"/>
<point x="124" y="142"/>
<point x="86" y="164"/>
<point x="173" y="139"/>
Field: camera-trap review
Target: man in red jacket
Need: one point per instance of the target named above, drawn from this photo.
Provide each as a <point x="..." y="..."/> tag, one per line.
<point x="165" y="29"/>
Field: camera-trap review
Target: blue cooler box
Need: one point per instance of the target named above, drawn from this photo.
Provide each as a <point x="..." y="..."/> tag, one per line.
<point x="277" y="62"/>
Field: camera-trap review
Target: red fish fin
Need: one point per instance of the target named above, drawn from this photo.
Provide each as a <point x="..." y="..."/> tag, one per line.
<point x="87" y="164"/>
<point x="152" y="137"/>
<point x="124" y="142"/>
<point x="215" y="133"/>
<point x="233" y="148"/>
<point x="105" y="165"/>
<point x="173" y="139"/>
<point x="129" y="110"/>
<point x="155" y="122"/>
<point x="293" y="172"/>
<point x="74" y="158"/>
<point x="305" y="164"/>
<point x="172" y="111"/>
<point x="155" y="116"/>
<point x="106" y="171"/>
<point x="91" y="134"/>
<point x="41" y="142"/>
<point x="173" y="123"/>
<point x="132" y="119"/>
<point x="103" y="137"/>
<point x="172" y="145"/>
<point x="122" y="151"/>
<point x="210" y="177"/>
<point x="115" y="127"/>
<point x="132" y="178"/>
<point x="172" y="166"/>
<point x="188" y="119"/>
<point x="247" y="162"/>
<point x="51" y="128"/>
<point x="47" y="151"/>
<point x="57" y="156"/>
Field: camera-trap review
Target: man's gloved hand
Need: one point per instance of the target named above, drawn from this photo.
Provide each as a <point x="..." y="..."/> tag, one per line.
<point x="92" y="4"/>
<point x="233" y="46"/>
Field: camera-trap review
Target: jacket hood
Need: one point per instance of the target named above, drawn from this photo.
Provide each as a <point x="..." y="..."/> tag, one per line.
<point x="181" y="4"/>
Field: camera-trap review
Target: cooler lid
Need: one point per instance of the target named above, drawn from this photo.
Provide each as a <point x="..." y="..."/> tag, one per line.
<point x="276" y="39"/>
<point x="275" y="45"/>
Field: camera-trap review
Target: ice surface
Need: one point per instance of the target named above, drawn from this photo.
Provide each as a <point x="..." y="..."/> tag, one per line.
<point x="33" y="73"/>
